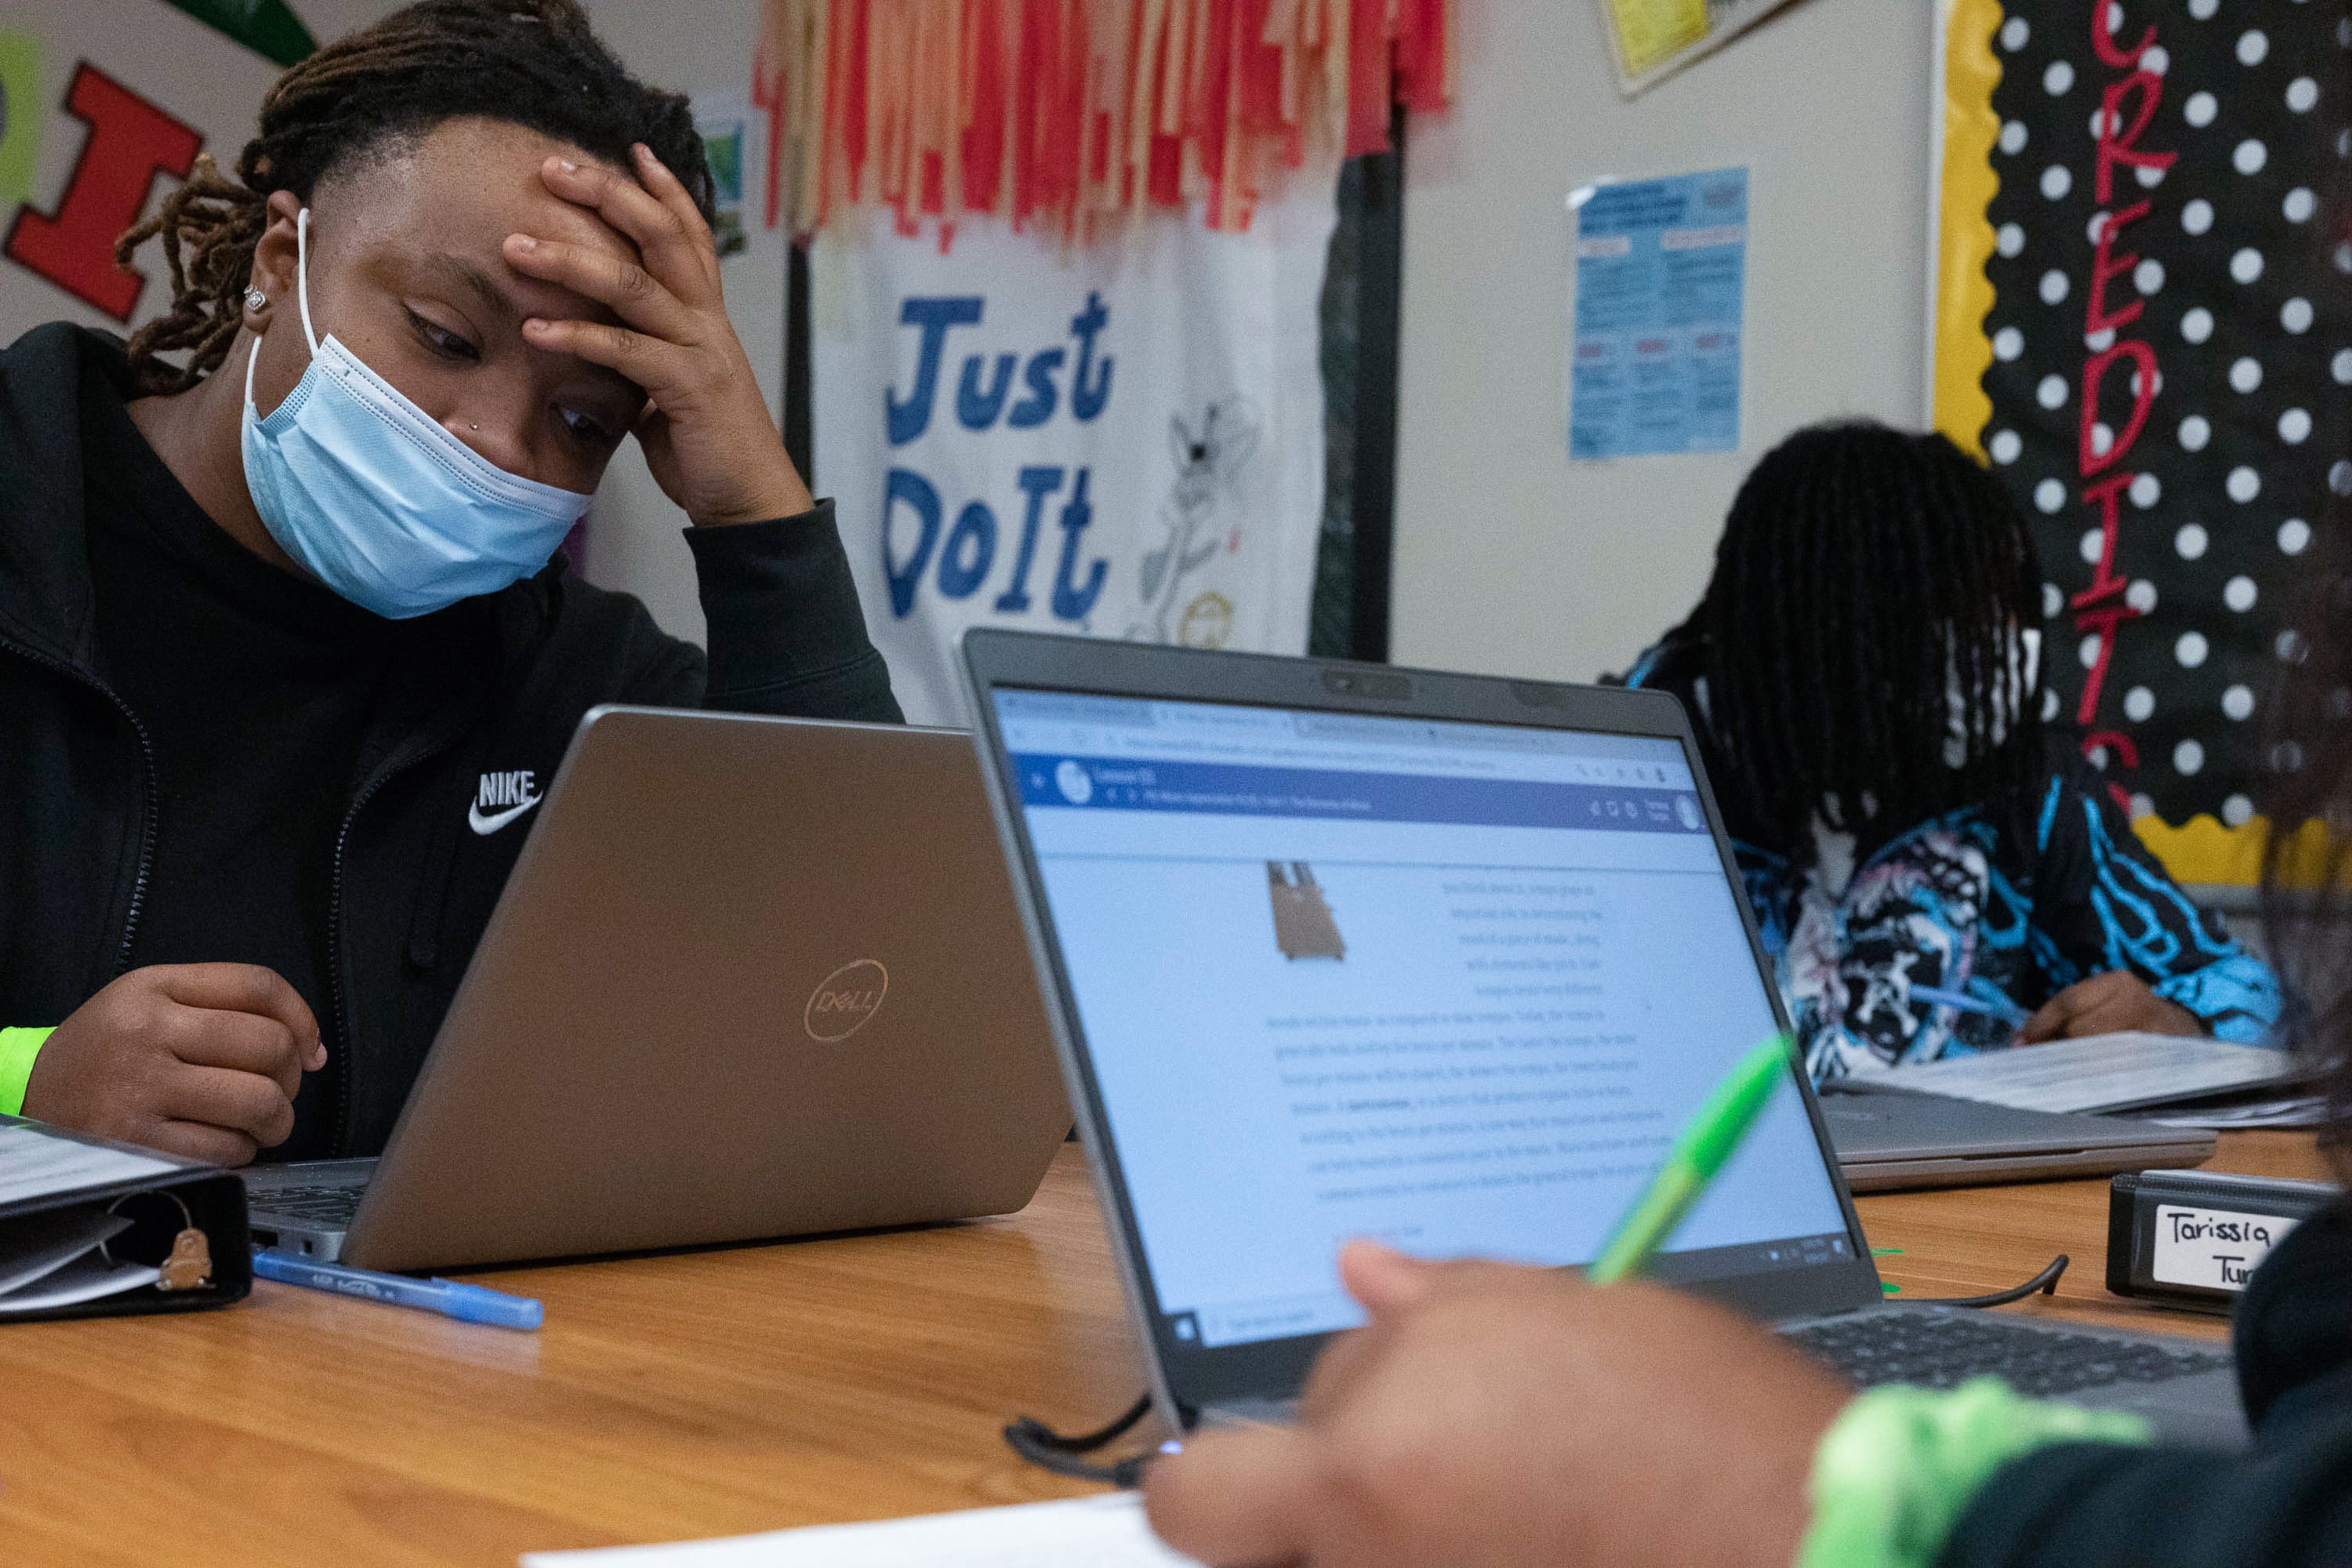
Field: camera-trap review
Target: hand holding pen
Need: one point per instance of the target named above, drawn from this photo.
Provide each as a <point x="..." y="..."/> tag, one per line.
<point x="1416" y="1436"/>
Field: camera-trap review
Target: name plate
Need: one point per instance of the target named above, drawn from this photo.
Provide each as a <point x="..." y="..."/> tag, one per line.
<point x="2216" y="1250"/>
<point x="2194" y="1238"/>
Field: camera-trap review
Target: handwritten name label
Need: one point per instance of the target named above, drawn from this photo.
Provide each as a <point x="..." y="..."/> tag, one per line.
<point x="2214" y="1248"/>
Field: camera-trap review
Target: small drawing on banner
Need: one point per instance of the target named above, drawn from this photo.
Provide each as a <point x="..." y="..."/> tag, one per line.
<point x="1209" y="465"/>
<point x="1208" y="621"/>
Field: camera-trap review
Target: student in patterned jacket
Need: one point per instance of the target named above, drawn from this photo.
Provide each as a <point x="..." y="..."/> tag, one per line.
<point x="1933" y="870"/>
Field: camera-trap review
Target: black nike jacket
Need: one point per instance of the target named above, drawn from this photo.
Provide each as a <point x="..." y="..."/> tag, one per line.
<point x="413" y="884"/>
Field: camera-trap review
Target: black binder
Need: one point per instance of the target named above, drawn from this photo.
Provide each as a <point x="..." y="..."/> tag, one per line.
<point x="53" y="1179"/>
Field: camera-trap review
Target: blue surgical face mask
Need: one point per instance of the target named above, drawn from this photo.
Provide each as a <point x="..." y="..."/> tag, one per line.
<point x="374" y="499"/>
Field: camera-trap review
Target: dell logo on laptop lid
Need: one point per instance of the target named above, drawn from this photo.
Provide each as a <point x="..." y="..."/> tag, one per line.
<point x="845" y="1000"/>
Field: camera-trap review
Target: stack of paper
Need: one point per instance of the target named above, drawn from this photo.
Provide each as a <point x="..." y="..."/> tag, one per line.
<point x="2239" y="1113"/>
<point x="2100" y="1073"/>
<point x="1089" y="1532"/>
<point x="52" y="1258"/>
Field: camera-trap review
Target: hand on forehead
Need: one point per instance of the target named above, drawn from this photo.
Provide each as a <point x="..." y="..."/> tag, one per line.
<point x="410" y="267"/>
<point x="504" y="275"/>
<point x="448" y="205"/>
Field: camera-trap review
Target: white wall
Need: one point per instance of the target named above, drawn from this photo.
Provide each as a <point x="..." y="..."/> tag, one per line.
<point x="1511" y="559"/>
<point x="636" y="539"/>
<point x="188" y="69"/>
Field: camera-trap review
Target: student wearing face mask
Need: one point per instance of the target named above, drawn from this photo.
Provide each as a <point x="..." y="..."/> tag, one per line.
<point x="285" y="661"/>
<point x="1933" y="872"/>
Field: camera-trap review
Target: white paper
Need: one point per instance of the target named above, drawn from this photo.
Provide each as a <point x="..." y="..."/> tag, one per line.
<point x="2101" y="1072"/>
<point x="37" y="1163"/>
<point x="39" y="1243"/>
<point x="2215" y="1248"/>
<point x="2270" y="1110"/>
<point x="84" y="1280"/>
<point x="1660" y="277"/>
<point x="1643" y="63"/>
<point x="1087" y="1533"/>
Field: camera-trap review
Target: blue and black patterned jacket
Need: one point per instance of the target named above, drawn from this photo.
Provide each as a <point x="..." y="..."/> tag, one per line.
<point x="1959" y="905"/>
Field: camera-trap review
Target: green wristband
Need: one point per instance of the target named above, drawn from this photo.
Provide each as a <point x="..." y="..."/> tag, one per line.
<point x="17" y="1049"/>
<point x="1894" y="1472"/>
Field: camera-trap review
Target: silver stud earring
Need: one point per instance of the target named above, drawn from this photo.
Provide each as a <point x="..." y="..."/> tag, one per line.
<point x="254" y="300"/>
<point x="476" y="427"/>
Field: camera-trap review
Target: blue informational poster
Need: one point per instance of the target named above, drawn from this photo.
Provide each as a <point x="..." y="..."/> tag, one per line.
<point x="1660" y="268"/>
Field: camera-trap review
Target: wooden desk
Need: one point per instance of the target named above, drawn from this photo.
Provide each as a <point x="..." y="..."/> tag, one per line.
<point x="1964" y="1241"/>
<point x="708" y="1393"/>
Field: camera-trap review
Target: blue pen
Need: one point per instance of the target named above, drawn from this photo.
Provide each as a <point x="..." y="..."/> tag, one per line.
<point x="1969" y="1002"/>
<point x="467" y="1304"/>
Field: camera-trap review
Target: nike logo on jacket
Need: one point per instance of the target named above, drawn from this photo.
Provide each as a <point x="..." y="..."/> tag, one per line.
<point x="508" y="796"/>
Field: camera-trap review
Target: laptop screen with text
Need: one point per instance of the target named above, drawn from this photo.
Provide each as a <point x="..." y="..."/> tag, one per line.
<point x="1454" y="986"/>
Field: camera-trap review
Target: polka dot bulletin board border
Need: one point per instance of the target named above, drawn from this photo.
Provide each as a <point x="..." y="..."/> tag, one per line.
<point x="2160" y="369"/>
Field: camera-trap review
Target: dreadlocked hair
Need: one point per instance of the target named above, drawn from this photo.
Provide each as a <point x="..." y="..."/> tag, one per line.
<point x="1861" y="575"/>
<point x="532" y="63"/>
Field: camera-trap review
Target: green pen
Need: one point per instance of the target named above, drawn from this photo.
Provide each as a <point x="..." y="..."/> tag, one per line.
<point x="1703" y="1147"/>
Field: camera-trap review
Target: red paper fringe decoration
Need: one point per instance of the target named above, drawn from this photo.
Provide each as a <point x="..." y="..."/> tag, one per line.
<point x="1065" y="113"/>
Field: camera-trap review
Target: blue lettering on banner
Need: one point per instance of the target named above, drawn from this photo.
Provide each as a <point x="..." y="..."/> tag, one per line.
<point x="1038" y="406"/>
<point x="916" y="491"/>
<point x="912" y="417"/>
<point x="970" y="550"/>
<point x="1036" y="483"/>
<point x="1071" y="602"/>
<point x="985" y="400"/>
<point x="975" y="409"/>
<point x="1086" y="398"/>
<point x="1120" y="784"/>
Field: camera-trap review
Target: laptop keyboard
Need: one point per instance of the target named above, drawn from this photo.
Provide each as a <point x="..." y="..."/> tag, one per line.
<point x="1944" y="1351"/>
<point x="335" y="1205"/>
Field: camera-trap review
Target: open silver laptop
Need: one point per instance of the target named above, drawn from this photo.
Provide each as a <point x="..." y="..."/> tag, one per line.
<point x="1889" y="1138"/>
<point x="750" y="977"/>
<point x="1338" y="951"/>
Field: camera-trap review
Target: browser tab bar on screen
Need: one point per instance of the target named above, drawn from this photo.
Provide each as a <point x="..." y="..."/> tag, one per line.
<point x="1084" y="710"/>
<point x="1063" y="725"/>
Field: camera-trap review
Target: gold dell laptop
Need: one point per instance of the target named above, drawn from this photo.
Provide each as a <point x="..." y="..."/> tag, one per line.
<point x="752" y="977"/>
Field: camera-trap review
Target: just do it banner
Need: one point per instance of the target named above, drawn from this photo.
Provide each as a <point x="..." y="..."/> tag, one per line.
<point x="2141" y="323"/>
<point x="1121" y="440"/>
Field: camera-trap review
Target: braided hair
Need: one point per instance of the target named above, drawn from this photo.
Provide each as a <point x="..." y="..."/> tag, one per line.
<point x="1862" y="574"/>
<point x="532" y="63"/>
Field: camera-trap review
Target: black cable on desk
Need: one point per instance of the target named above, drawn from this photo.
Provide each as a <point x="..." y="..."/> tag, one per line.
<point x="2046" y="1282"/>
<point x="1051" y="1450"/>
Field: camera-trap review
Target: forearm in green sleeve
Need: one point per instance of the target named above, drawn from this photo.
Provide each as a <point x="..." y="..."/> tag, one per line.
<point x="17" y="1049"/>
<point x="1896" y="1472"/>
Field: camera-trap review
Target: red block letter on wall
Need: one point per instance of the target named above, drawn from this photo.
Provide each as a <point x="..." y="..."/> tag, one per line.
<point x="131" y="140"/>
